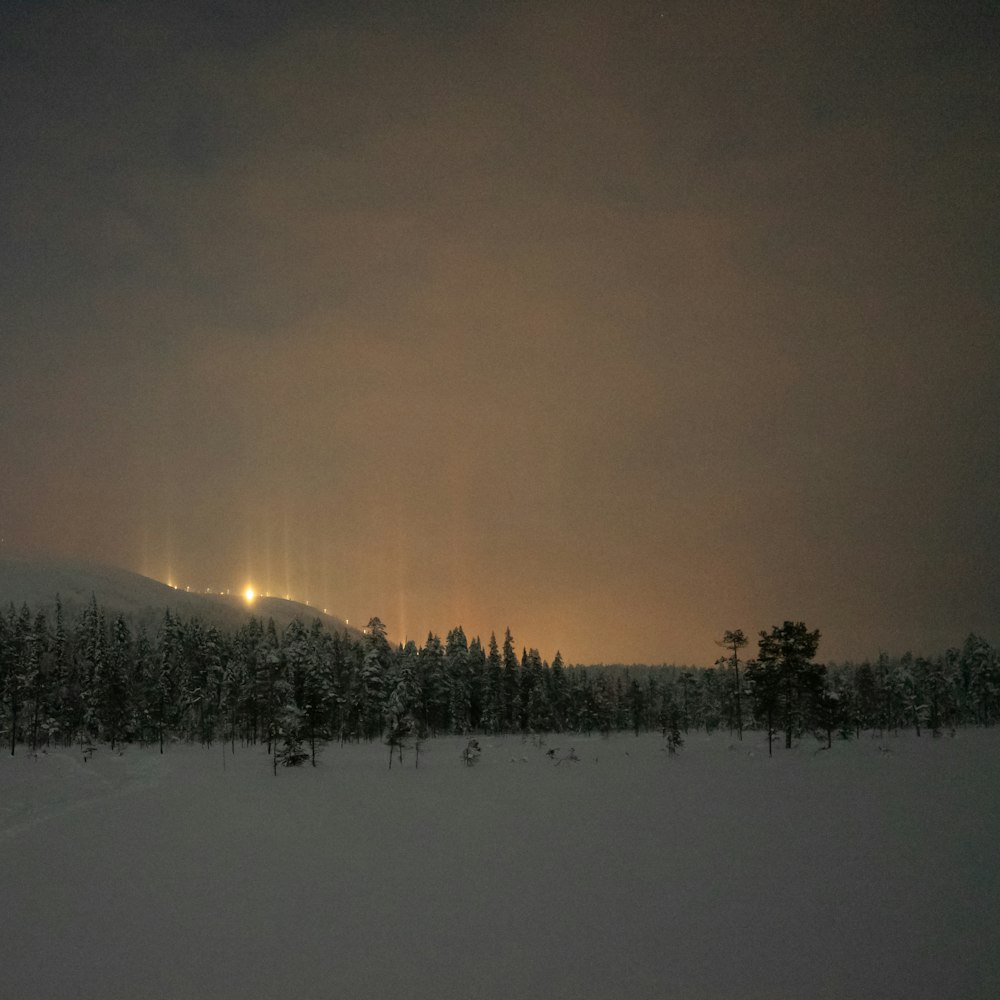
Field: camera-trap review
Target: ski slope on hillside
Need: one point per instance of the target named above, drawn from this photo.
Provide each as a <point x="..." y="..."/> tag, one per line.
<point x="869" y="870"/>
<point x="38" y="582"/>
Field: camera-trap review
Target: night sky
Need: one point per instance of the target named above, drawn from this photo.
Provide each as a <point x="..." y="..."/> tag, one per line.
<point x="620" y="324"/>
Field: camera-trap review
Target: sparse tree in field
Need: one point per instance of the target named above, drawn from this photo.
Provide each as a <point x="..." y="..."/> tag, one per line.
<point x="401" y="705"/>
<point x="763" y="682"/>
<point x="785" y="653"/>
<point x="396" y="735"/>
<point x="735" y="640"/>
<point x="288" y="749"/>
<point x="471" y="752"/>
<point x="828" y="711"/>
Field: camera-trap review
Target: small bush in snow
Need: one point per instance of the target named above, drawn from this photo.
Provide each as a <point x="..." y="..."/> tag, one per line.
<point x="471" y="752"/>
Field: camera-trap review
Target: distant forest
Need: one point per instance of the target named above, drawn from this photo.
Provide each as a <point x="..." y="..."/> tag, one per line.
<point x="97" y="680"/>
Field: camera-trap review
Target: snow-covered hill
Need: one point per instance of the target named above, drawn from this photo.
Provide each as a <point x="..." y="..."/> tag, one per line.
<point x="37" y="581"/>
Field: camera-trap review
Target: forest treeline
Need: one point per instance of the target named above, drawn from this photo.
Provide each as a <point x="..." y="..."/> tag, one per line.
<point x="97" y="680"/>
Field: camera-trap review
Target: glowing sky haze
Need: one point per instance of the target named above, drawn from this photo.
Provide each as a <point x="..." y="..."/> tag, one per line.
<point x="621" y="324"/>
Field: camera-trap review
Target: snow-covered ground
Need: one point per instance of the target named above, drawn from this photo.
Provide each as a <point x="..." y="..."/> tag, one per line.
<point x="854" y="872"/>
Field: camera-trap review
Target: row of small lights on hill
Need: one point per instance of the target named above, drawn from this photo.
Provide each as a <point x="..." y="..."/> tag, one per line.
<point x="249" y="594"/>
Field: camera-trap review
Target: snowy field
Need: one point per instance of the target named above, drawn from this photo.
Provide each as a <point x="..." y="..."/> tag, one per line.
<point x="854" y="872"/>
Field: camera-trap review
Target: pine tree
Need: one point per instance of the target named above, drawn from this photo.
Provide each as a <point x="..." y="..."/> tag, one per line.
<point x="828" y="711"/>
<point x="786" y="653"/>
<point x="763" y="681"/>
<point x="736" y="640"/>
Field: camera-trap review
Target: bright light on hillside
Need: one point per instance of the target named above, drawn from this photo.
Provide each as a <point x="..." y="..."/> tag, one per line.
<point x="249" y="595"/>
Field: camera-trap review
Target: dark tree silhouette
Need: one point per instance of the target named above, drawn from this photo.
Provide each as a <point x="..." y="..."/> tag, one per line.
<point x="735" y="640"/>
<point x="785" y="654"/>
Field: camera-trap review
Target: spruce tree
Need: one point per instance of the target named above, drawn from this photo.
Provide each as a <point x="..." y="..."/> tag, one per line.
<point x="436" y="693"/>
<point x="785" y="655"/>
<point x="493" y="713"/>
<point x="459" y="691"/>
<point x="511" y="684"/>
